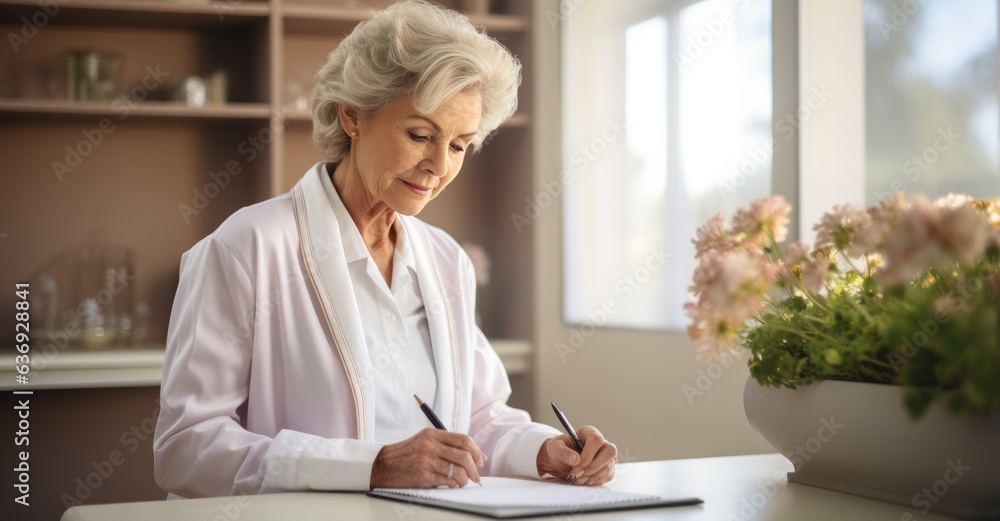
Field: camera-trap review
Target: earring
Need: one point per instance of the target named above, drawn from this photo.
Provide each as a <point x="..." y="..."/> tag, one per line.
<point x="354" y="134"/>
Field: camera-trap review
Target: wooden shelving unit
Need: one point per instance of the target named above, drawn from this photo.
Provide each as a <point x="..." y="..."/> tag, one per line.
<point x="125" y="184"/>
<point x="153" y="109"/>
<point x="139" y="13"/>
<point x="127" y="188"/>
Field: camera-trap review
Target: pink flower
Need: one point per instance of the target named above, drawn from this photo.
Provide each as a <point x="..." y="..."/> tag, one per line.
<point x="929" y="236"/>
<point x="945" y="305"/>
<point x="712" y="235"/>
<point x="837" y="226"/>
<point x="763" y="218"/>
<point x="796" y="253"/>
<point x="814" y="275"/>
<point x="869" y="236"/>
<point x="888" y="210"/>
<point x="714" y="332"/>
<point x="734" y="282"/>
<point x="911" y="247"/>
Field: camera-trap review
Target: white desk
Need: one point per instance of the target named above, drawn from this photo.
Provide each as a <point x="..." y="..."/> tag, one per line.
<point x="734" y="488"/>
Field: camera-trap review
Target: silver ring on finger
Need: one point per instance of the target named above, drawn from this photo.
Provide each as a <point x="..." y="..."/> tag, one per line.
<point x="451" y="469"/>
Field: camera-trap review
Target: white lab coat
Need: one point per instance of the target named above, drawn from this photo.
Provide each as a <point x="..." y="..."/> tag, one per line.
<point x="267" y="382"/>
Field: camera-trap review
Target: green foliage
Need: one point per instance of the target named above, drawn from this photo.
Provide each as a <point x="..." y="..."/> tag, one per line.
<point x="939" y="337"/>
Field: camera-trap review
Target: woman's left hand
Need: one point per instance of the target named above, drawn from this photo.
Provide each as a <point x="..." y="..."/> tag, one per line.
<point x="594" y="466"/>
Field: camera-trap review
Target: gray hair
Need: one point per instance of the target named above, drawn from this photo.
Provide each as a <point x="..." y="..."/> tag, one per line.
<point x="414" y="49"/>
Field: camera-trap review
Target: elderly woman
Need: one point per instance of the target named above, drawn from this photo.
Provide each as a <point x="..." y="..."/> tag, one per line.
<point x="304" y="325"/>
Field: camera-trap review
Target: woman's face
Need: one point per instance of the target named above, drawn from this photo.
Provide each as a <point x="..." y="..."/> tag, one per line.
<point x="405" y="159"/>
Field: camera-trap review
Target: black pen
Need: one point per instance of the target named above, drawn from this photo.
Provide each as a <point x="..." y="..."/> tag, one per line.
<point x="429" y="413"/>
<point x="569" y="428"/>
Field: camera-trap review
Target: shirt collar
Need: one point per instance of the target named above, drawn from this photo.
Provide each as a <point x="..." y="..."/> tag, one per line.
<point x="354" y="244"/>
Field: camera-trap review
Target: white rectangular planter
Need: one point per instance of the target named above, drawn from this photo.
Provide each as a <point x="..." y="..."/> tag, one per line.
<point x="856" y="438"/>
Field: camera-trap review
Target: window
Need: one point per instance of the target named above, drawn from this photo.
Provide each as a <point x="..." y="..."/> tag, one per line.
<point x="667" y="121"/>
<point x="931" y="98"/>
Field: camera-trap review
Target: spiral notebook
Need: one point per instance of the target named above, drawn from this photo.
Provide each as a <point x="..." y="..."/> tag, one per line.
<point x="507" y="498"/>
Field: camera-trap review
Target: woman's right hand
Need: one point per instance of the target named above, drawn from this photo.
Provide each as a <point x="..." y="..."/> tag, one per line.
<point x="423" y="460"/>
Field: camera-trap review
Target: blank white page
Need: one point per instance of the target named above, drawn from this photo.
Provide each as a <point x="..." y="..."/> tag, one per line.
<point x="512" y="492"/>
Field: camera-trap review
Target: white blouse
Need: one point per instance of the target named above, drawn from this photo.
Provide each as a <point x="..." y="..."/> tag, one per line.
<point x="275" y="375"/>
<point x="395" y="324"/>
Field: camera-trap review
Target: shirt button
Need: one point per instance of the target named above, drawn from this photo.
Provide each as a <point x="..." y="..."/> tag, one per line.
<point x="391" y="318"/>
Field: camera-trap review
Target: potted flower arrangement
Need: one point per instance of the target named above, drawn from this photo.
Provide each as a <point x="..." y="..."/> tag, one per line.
<point x="874" y="354"/>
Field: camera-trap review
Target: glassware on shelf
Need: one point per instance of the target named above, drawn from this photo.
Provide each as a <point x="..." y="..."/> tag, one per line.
<point x="86" y="297"/>
<point x="97" y="329"/>
<point x="93" y="76"/>
<point x="193" y="91"/>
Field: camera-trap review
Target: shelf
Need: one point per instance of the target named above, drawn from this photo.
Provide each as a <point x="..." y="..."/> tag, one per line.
<point x="155" y="109"/>
<point x="88" y="369"/>
<point x="500" y="23"/>
<point x="139" y="13"/>
<point x="143" y="367"/>
<point x="292" y="115"/>
<point x="515" y="355"/>
<point x="320" y="19"/>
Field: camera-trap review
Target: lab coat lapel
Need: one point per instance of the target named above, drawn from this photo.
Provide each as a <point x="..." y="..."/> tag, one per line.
<point x="326" y="264"/>
<point x="440" y="324"/>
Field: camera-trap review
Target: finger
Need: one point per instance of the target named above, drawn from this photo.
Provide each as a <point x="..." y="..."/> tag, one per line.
<point x="592" y="442"/>
<point x="603" y="476"/>
<point x="605" y="456"/>
<point x="461" y="459"/>
<point x="459" y="478"/>
<point x="464" y="442"/>
<point x="562" y="455"/>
